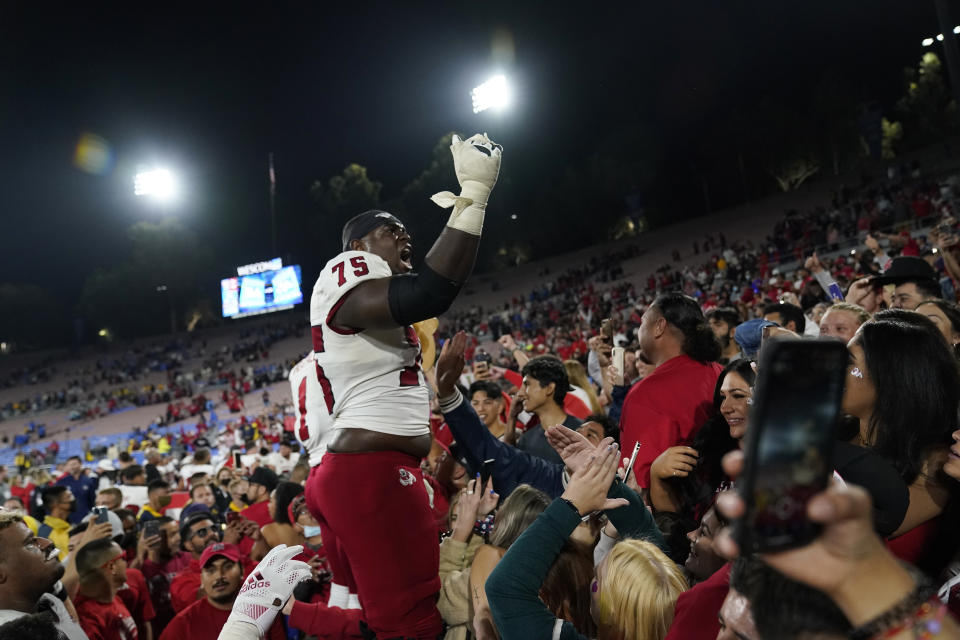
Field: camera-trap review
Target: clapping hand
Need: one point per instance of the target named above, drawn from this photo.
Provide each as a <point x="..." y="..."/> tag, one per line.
<point x="573" y="447"/>
<point x="588" y="487"/>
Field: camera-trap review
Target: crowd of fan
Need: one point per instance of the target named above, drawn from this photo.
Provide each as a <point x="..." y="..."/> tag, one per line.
<point x="542" y="535"/>
<point x="110" y="383"/>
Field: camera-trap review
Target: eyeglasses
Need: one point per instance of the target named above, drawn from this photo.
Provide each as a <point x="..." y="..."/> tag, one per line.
<point x="203" y="532"/>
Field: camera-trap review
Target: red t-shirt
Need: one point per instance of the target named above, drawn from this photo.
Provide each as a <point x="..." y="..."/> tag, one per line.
<point x="203" y="621"/>
<point x="259" y="513"/>
<point x="695" y="614"/>
<point x="666" y="409"/>
<point x="136" y="598"/>
<point x="105" y="621"/>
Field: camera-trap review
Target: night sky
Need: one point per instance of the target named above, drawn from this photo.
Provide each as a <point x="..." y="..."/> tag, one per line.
<point x="210" y="89"/>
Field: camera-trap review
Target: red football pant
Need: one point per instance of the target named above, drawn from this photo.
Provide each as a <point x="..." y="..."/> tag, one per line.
<point x="376" y="507"/>
<point x="336" y="558"/>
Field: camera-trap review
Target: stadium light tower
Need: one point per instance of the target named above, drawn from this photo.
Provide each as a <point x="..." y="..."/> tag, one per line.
<point x="157" y="183"/>
<point x="492" y="94"/>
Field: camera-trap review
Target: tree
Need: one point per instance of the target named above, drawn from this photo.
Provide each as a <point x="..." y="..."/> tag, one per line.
<point x="347" y="193"/>
<point x="928" y="112"/>
<point x="149" y="292"/>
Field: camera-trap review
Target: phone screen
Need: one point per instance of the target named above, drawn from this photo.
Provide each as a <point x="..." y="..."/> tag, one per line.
<point x="101" y="515"/>
<point x="790" y="437"/>
<point x="237" y="461"/>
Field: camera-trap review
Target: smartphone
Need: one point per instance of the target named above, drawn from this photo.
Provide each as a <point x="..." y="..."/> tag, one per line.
<point x="237" y="460"/>
<point x="792" y="426"/>
<point x="633" y="459"/>
<point x="101" y="513"/>
<point x="835" y="292"/>
<point x="485" y="470"/>
<point x="606" y="331"/>
<point x="233" y="516"/>
<point x="616" y="357"/>
<point x="151" y="528"/>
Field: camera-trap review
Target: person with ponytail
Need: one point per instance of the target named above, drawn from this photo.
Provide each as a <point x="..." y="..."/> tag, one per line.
<point x="666" y="408"/>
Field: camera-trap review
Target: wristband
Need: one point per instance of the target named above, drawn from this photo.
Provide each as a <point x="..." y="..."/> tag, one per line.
<point x="583" y="518"/>
<point x="905" y="613"/>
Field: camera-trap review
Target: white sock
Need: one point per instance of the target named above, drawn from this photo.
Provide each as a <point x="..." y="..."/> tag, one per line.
<point x="338" y="595"/>
<point x="353" y="601"/>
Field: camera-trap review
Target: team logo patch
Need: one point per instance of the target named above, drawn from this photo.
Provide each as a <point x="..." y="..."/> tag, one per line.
<point x="407" y="478"/>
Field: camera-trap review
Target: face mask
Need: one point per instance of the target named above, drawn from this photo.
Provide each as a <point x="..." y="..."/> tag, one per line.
<point x="164" y="501"/>
<point x="311" y="530"/>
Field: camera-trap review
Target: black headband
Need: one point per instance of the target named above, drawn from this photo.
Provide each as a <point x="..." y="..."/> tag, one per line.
<point x="361" y="225"/>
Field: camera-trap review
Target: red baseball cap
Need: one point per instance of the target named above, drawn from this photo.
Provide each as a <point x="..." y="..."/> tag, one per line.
<point x="229" y="551"/>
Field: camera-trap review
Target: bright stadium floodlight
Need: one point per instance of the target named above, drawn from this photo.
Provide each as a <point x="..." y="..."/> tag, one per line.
<point x="956" y="30"/>
<point x="492" y="94"/>
<point x="939" y="37"/>
<point x="927" y="42"/>
<point x="158" y="183"/>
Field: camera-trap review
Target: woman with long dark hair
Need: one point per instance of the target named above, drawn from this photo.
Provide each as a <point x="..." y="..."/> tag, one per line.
<point x="903" y="387"/>
<point x="685" y="479"/>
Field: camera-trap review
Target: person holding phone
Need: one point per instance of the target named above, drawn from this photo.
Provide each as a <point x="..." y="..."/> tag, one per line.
<point x="880" y="597"/>
<point x="367" y="357"/>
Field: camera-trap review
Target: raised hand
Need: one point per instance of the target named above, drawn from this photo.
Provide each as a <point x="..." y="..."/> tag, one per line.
<point x="450" y="364"/>
<point x="268" y="588"/>
<point x="847" y="561"/>
<point x="588" y="487"/>
<point x="488" y="499"/>
<point x="574" y="448"/>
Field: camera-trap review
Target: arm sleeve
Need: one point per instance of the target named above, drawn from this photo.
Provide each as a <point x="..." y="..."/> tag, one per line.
<point x="513" y="587"/>
<point x="654" y="431"/>
<point x="512" y="466"/>
<point x="454" y="599"/>
<point x="633" y="520"/>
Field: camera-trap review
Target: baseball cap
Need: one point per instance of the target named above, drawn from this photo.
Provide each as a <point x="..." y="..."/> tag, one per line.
<point x="361" y="225"/>
<point x="264" y="477"/>
<point x="749" y="335"/>
<point x="229" y="551"/>
<point x="907" y="269"/>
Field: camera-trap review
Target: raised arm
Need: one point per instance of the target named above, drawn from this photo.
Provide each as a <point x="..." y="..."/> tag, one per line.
<point x="403" y="299"/>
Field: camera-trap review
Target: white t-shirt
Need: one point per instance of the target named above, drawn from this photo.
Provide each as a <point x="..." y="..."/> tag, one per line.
<point x="370" y="378"/>
<point x="282" y="465"/>
<point x="188" y="470"/>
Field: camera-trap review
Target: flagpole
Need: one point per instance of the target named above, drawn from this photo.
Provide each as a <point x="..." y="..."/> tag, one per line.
<point x="273" y="203"/>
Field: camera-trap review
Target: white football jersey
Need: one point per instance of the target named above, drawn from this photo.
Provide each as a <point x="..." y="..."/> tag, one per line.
<point x="371" y="378"/>
<point x="313" y="422"/>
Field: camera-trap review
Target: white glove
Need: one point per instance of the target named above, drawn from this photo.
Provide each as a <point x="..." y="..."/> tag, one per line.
<point x="477" y="172"/>
<point x="268" y="587"/>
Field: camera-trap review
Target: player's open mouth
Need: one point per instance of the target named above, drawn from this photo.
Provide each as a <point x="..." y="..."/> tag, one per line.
<point x="406" y="253"/>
